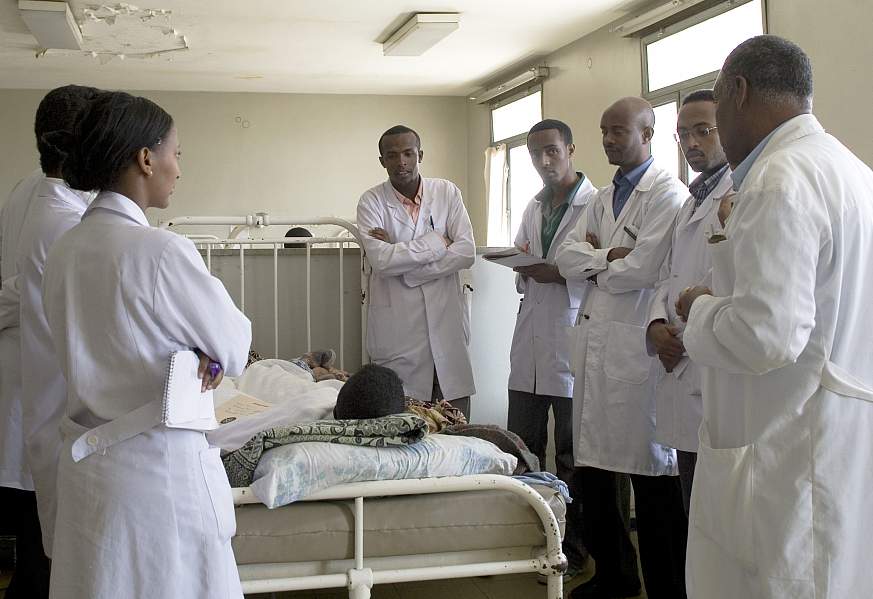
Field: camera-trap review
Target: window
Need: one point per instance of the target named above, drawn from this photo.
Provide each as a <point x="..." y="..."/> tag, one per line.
<point x="512" y="179"/>
<point x="686" y="57"/>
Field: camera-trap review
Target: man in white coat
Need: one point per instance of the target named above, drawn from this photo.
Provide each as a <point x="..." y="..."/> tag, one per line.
<point x="418" y="237"/>
<point x="620" y="247"/>
<point x="678" y="402"/>
<point x="56" y="111"/>
<point x="539" y="374"/>
<point x="781" y="502"/>
<point x="54" y="210"/>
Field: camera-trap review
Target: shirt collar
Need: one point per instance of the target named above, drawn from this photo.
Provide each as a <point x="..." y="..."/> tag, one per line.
<point x="703" y="185"/>
<point x="544" y="196"/>
<point x="115" y="202"/>
<point x="418" y="194"/>
<point x="743" y="168"/>
<point x="632" y="178"/>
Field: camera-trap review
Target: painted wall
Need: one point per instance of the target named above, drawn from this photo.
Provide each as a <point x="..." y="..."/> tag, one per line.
<point x="833" y="34"/>
<point x="300" y="155"/>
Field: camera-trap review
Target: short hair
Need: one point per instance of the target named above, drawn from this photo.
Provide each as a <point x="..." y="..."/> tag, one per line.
<point x="106" y="137"/>
<point x="297" y="232"/>
<point x="701" y="95"/>
<point x="57" y="112"/>
<point x="562" y="128"/>
<point x="399" y="130"/>
<point x="372" y="392"/>
<point x="775" y="68"/>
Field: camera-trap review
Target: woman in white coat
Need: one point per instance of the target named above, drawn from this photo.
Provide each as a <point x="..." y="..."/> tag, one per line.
<point x="417" y="322"/>
<point x="143" y="510"/>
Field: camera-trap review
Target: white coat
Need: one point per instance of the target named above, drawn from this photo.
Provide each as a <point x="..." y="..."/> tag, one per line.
<point x="416" y="318"/>
<point x="613" y="398"/>
<point x="540" y="358"/>
<point x="55" y="210"/>
<point x="679" y="407"/>
<point x="14" y="472"/>
<point x="784" y="478"/>
<point x="151" y="516"/>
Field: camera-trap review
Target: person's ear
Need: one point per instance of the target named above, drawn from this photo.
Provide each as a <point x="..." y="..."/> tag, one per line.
<point x="648" y="134"/>
<point x="144" y="161"/>
<point x="420" y="156"/>
<point x="571" y="149"/>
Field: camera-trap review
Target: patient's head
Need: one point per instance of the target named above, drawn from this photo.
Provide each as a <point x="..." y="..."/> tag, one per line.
<point x="372" y="392"/>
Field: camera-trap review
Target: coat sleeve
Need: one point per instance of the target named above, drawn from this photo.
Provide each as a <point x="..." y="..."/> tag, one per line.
<point x="766" y="322"/>
<point x="10" y="300"/>
<point x="577" y="259"/>
<point x="641" y="267"/>
<point x="195" y="309"/>
<point x="394" y="259"/>
<point x="459" y="255"/>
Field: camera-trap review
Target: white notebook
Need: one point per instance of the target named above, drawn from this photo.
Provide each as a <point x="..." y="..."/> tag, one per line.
<point x="184" y="406"/>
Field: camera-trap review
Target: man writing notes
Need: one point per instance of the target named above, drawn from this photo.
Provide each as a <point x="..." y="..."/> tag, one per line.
<point x="678" y="402"/>
<point x="784" y="475"/>
<point x="539" y="376"/>
<point x="417" y="237"/>
<point x="620" y="247"/>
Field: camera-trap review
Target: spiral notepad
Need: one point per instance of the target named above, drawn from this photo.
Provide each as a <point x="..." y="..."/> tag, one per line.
<point x="183" y="405"/>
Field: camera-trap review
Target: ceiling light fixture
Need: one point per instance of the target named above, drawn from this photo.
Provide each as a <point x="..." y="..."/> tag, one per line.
<point x="654" y="16"/>
<point x="420" y="33"/>
<point x="532" y="75"/>
<point x="51" y="23"/>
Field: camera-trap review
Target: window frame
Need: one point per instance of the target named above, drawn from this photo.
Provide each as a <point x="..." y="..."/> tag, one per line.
<point x="682" y="25"/>
<point x="512" y="142"/>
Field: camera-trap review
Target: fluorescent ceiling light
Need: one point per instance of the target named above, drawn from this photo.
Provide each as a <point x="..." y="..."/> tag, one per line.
<point x="653" y="16"/>
<point x="52" y="24"/>
<point x="529" y="76"/>
<point x="421" y="32"/>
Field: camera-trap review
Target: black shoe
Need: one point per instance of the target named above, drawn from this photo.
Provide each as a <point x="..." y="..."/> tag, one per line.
<point x="594" y="589"/>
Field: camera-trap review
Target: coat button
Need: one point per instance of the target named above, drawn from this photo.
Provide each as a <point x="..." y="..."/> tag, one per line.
<point x="92" y="441"/>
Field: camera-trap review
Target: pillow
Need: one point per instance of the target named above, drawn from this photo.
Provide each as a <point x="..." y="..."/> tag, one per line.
<point x="292" y="472"/>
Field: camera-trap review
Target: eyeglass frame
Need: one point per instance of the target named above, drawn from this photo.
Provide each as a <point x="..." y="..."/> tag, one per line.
<point x="704" y="133"/>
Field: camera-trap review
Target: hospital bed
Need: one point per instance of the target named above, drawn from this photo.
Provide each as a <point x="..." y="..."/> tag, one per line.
<point x="357" y="535"/>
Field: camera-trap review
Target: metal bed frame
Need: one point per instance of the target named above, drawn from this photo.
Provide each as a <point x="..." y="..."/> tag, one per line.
<point x="356" y="575"/>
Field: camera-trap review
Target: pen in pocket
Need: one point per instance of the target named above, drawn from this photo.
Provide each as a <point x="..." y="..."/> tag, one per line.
<point x="631" y="233"/>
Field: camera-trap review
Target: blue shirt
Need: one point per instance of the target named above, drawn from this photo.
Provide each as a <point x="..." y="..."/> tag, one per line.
<point x="743" y="168"/>
<point x="624" y="185"/>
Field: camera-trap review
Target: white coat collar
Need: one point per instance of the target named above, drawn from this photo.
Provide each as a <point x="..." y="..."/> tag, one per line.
<point x="648" y="178"/>
<point x="397" y="210"/>
<point x="58" y="189"/>
<point x="119" y="204"/>
<point x="724" y="185"/>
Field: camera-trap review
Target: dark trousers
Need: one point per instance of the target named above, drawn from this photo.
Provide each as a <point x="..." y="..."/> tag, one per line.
<point x="528" y="418"/>
<point x="31" y="577"/>
<point x="687" y="461"/>
<point x="462" y="403"/>
<point x="661" y="532"/>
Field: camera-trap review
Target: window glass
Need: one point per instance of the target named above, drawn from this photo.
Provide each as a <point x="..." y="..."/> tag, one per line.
<point x="701" y="48"/>
<point x="664" y="147"/>
<point x="524" y="183"/>
<point x="516" y="117"/>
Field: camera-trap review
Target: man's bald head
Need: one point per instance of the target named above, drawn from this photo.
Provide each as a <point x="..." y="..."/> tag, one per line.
<point x="627" y="127"/>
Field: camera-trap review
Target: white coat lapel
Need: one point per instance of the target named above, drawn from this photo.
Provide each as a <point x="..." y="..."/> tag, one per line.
<point x="395" y="208"/>
<point x="536" y="233"/>
<point x="712" y="200"/>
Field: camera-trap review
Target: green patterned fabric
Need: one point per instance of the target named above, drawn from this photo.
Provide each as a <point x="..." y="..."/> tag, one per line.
<point x="388" y="431"/>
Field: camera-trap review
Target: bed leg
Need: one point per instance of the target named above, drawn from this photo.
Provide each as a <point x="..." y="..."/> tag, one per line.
<point x="553" y="565"/>
<point x="360" y="583"/>
<point x="555" y="588"/>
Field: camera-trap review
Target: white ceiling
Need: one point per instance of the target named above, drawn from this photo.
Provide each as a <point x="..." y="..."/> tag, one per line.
<point x="299" y="46"/>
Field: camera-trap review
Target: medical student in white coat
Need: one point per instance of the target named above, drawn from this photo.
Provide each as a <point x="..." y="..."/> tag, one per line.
<point x="620" y="247"/>
<point x="54" y="209"/>
<point x="539" y="373"/>
<point x="678" y="401"/>
<point x="143" y="510"/>
<point x="418" y="237"/>
<point x="784" y="479"/>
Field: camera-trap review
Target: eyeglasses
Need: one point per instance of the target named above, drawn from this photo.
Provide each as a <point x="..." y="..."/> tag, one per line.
<point x="699" y="133"/>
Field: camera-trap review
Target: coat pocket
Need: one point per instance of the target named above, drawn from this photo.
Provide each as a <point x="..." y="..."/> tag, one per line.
<point x="722" y="501"/>
<point x="219" y="493"/>
<point x="625" y="358"/>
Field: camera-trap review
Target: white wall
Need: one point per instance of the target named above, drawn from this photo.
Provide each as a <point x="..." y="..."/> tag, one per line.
<point x="301" y="155"/>
<point x="834" y="34"/>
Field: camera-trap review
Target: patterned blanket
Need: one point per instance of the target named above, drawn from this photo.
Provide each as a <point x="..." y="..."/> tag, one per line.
<point x="388" y="431"/>
<point x="506" y="440"/>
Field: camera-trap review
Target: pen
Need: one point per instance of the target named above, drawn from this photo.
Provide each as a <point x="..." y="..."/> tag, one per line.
<point x="432" y="228"/>
<point x="214" y="368"/>
<point x="631" y="233"/>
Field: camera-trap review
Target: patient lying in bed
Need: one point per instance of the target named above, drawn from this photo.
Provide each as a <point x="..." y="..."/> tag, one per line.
<point x="372" y="392"/>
